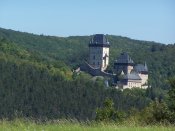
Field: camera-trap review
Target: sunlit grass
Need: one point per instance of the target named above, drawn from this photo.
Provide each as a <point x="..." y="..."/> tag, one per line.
<point x="65" y="125"/>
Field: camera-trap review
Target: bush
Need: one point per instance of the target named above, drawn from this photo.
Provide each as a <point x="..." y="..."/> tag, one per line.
<point x="156" y="112"/>
<point x="108" y="113"/>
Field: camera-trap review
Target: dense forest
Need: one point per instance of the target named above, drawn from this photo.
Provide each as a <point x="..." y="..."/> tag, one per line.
<point x="73" y="51"/>
<point x="37" y="79"/>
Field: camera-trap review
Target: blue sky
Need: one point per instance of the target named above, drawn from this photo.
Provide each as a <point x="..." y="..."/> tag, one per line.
<point x="151" y="20"/>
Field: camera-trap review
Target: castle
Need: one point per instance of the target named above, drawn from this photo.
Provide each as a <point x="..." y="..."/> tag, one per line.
<point x="126" y="74"/>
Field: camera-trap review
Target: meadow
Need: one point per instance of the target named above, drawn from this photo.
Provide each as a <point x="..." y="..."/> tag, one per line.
<point x="72" y="125"/>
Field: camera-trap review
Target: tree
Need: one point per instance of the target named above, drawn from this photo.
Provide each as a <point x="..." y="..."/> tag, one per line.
<point x="108" y="113"/>
<point x="172" y="94"/>
<point x="157" y="111"/>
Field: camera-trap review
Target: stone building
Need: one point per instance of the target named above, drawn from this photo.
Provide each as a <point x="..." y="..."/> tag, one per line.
<point x="130" y="75"/>
<point x="126" y="74"/>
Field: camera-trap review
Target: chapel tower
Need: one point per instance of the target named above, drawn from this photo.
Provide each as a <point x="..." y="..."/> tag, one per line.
<point x="124" y="64"/>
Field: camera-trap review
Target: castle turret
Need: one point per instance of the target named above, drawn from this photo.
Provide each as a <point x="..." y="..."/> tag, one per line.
<point x="99" y="52"/>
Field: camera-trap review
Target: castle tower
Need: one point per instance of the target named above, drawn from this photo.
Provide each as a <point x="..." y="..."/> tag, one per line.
<point x="99" y="52"/>
<point x="124" y="63"/>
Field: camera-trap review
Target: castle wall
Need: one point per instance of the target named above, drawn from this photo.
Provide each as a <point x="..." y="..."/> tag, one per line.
<point x="105" y="54"/>
<point x="132" y="83"/>
<point x="144" y="78"/>
<point x="129" y="69"/>
<point x="95" y="56"/>
<point x="96" y="71"/>
<point x="99" y="57"/>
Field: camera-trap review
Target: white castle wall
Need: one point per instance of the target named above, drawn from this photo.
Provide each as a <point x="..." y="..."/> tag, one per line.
<point x="105" y="62"/>
<point x="144" y="78"/>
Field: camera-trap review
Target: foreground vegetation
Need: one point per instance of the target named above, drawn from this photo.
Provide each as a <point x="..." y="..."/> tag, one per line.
<point x="156" y="117"/>
<point x="72" y="125"/>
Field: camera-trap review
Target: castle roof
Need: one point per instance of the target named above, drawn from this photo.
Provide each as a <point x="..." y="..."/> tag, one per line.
<point x="141" y="68"/>
<point x="124" y="59"/>
<point x="99" y="40"/>
<point x="132" y="76"/>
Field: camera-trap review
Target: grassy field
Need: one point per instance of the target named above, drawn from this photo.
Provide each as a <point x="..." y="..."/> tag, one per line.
<point x="23" y="125"/>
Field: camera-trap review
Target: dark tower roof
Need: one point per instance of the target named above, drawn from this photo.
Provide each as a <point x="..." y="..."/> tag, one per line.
<point x="99" y="40"/>
<point x="124" y="59"/>
<point x="141" y="68"/>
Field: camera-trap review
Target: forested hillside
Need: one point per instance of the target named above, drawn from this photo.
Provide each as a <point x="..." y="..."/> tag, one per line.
<point x="36" y="78"/>
<point x="73" y="50"/>
<point x="31" y="87"/>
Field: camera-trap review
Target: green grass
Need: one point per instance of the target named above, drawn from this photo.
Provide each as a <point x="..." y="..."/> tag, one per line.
<point x="26" y="125"/>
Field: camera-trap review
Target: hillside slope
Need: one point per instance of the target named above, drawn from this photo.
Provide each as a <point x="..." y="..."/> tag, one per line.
<point x="73" y="50"/>
<point x="36" y="78"/>
<point x="32" y="87"/>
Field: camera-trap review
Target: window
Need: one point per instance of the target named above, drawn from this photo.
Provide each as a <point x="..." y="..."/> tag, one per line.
<point x="94" y="57"/>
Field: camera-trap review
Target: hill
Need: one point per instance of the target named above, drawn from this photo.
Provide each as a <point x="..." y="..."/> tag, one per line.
<point x="73" y="50"/>
<point x="36" y="78"/>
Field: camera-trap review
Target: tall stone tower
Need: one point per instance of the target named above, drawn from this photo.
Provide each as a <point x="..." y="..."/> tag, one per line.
<point x="99" y="52"/>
